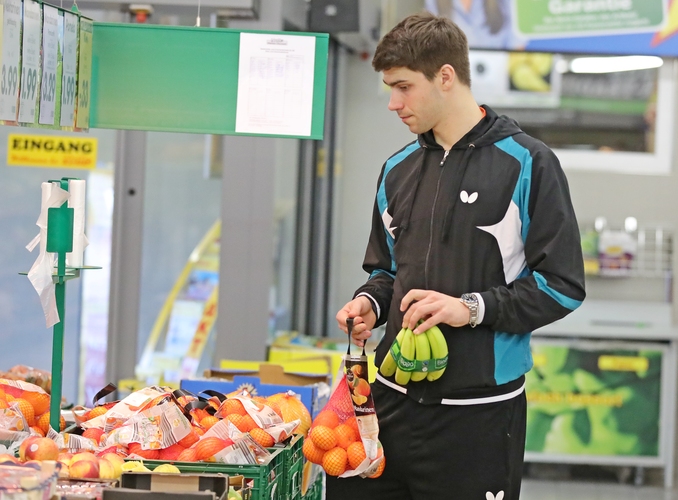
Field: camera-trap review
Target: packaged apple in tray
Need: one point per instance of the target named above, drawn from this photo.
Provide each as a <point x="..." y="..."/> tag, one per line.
<point x="34" y="481"/>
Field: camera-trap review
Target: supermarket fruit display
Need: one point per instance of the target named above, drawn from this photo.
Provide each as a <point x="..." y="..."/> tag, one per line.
<point x="154" y="429"/>
<point x="416" y="357"/>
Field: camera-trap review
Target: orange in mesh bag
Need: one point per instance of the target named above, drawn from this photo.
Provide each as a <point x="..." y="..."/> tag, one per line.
<point x="344" y="436"/>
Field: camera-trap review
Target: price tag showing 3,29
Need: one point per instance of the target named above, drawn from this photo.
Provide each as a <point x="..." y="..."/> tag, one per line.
<point x="70" y="61"/>
<point x="30" y="62"/>
<point x="50" y="41"/>
<point x="84" y="73"/>
<point x="11" y="50"/>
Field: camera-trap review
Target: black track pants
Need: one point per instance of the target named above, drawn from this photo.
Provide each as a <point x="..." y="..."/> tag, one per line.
<point x="436" y="452"/>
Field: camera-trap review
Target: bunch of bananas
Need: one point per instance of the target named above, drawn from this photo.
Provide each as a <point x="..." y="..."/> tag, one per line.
<point x="415" y="357"/>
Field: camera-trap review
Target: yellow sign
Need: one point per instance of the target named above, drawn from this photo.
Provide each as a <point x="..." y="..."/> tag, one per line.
<point x="51" y="151"/>
<point x="623" y="363"/>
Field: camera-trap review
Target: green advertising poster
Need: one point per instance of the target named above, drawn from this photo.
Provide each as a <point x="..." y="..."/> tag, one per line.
<point x="554" y="18"/>
<point x="589" y="400"/>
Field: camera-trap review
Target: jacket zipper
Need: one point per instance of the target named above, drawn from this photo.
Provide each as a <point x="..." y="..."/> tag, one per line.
<point x="433" y="210"/>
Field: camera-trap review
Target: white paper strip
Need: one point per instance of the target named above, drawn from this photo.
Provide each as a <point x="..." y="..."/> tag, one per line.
<point x="40" y="274"/>
<point x="77" y="201"/>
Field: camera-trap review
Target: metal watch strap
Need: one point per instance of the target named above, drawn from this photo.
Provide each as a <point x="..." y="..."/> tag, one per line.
<point x="471" y="301"/>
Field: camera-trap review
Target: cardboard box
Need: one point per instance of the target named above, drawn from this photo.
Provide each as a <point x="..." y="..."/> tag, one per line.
<point x="267" y="380"/>
<point x="158" y="486"/>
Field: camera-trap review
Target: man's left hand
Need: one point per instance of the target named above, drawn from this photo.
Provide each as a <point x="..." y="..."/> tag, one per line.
<point x="433" y="308"/>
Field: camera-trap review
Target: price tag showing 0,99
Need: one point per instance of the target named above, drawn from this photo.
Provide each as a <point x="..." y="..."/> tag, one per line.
<point x="69" y="67"/>
<point x="50" y="40"/>
<point x="11" y="50"/>
<point x="84" y="73"/>
<point x="29" y="86"/>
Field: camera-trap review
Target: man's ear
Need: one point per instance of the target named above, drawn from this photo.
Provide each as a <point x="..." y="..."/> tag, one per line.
<point x="447" y="76"/>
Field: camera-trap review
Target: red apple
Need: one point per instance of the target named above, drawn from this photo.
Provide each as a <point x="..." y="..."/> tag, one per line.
<point x="41" y="449"/>
<point x="107" y="470"/>
<point x="24" y="446"/>
<point x="85" y="469"/>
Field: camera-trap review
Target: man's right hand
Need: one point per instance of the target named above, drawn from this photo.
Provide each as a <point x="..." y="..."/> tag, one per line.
<point x="360" y="309"/>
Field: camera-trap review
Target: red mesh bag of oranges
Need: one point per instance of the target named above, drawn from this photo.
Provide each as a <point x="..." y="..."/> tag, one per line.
<point x="343" y="437"/>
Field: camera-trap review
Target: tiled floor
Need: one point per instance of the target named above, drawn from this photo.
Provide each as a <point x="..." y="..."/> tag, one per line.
<point x="533" y="489"/>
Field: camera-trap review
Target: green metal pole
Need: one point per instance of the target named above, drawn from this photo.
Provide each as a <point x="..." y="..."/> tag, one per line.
<point x="58" y="352"/>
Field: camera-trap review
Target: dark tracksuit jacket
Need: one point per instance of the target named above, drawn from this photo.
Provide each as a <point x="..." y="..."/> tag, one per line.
<point x="492" y="216"/>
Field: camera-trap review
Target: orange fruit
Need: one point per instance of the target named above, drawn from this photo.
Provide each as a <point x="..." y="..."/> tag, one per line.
<point x="353" y="423"/>
<point x="188" y="455"/>
<point x="209" y="447"/>
<point x="231" y="406"/>
<point x="2" y="393"/>
<point x="27" y="410"/>
<point x="190" y="439"/>
<point x="199" y="431"/>
<point x="43" y="423"/>
<point x="323" y="437"/>
<point x="262" y="437"/>
<point x="38" y="400"/>
<point x="345" y="435"/>
<point x="171" y="452"/>
<point x="208" y="422"/>
<point x="136" y="449"/>
<point x="9" y="398"/>
<point x="93" y="433"/>
<point x="313" y="453"/>
<point x="237" y="420"/>
<point x="249" y="423"/>
<point x="356" y="454"/>
<point x="335" y="461"/>
<point x="380" y="469"/>
<point x="96" y="412"/>
<point x="327" y="418"/>
<point x="3" y="404"/>
<point x="198" y="414"/>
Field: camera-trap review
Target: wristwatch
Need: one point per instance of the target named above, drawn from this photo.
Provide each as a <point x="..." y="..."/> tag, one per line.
<point x="471" y="301"/>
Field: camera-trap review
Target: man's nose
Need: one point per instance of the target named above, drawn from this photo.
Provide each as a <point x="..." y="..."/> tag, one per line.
<point x="394" y="104"/>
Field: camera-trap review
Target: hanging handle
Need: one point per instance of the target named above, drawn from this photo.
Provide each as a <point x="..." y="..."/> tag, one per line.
<point x="349" y="330"/>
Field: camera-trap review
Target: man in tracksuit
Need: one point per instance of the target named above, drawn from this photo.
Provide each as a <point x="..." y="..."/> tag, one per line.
<point x="473" y="230"/>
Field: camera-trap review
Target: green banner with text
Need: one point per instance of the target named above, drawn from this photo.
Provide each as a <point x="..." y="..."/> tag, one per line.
<point x="551" y="18"/>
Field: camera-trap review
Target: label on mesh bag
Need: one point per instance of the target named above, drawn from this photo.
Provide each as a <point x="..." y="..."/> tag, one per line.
<point x="156" y="428"/>
<point x="20" y="384"/>
<point x="363" y="409"/>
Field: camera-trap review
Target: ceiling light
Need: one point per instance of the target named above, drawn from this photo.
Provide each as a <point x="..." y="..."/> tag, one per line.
<point x="614" y="64"/>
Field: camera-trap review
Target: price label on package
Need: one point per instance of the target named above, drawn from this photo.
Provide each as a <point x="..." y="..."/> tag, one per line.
<point x="84" y="73"/>
<point x="29" y="91"/>
<point x="50" y="41"/>
<point x="70" y="62"/>
<point x="11" y="51"/>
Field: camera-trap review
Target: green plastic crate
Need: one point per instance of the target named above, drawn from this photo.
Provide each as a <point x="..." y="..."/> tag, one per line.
<point x="315" y="491"/>
<point x="294" y="463"/>
<point x="269" y="481"/>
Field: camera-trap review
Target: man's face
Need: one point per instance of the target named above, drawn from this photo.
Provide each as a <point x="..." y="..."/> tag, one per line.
<point x="416" y="99"/>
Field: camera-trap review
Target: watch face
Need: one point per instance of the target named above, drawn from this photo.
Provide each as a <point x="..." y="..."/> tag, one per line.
<point x="468" y="297"/>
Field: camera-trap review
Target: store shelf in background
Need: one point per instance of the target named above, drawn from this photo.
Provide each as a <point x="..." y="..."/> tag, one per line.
<point x="644" y="253"/>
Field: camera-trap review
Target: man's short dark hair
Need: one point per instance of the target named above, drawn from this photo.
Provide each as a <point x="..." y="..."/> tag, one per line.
<point x="424" y="42"/>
